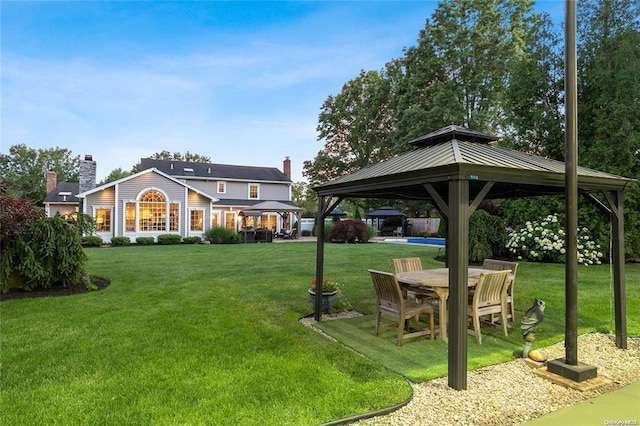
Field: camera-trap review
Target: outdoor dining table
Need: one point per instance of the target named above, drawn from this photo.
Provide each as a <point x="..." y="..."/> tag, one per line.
<point x="438" y="280"/>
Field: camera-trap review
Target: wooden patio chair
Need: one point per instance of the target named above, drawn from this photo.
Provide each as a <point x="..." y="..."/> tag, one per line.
<point x="291" y="235"/>
<point x="501" y="265"/>
<point x="409" y="264"/>
<point x="489" y="298"/>
<point x="391" y="301"/>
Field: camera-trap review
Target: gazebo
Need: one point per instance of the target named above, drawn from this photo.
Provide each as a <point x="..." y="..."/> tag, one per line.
<point x="284" y="209"/>
<point x="455" y="169"/>
<point x="386" y="212"/>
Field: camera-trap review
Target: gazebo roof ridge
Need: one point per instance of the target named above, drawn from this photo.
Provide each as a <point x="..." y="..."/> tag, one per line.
<point x="452" y="132"/>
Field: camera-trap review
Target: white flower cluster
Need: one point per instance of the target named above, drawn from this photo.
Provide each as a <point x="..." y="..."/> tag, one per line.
<point x="544" y="242"/>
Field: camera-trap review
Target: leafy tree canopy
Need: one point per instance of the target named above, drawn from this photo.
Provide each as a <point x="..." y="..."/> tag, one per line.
<point x="355" y="125"/>
<point x="25" y="170"/>
<point x="175" y="156"/>
<point x="116" y="174"/>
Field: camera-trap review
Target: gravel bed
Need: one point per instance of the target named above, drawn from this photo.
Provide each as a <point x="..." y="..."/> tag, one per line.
<point x="510" y="393"/>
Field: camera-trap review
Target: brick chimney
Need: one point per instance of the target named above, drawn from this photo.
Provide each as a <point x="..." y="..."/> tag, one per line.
<point x="88" y="170"/>
<point x="52" y="181"/>
<point x="286" y="167"/>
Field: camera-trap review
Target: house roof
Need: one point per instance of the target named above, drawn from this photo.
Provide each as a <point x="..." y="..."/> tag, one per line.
<point x="458" y="153"/>
<point x="185" y="169"/>
<point x="64" y="193"/>
<point x="152" y="170"/>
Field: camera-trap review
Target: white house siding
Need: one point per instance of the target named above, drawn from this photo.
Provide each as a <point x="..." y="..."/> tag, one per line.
<point x="270" y="191"/>
<point x="236" y="190"/>
<point x="102" y="199"/>
<point x="62" y="209"/>
<point x="206" y="186"/>
<point x="197" y="201"/>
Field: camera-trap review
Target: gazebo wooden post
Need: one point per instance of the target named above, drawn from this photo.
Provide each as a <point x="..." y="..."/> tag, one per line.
<point x="317" y="309"/>
<point x="617" y="260"/>
<point x="458" y="257"/>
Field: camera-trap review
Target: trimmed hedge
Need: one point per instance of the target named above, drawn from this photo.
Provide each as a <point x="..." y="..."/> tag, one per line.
<point x="120" y="241"/>
<point x="192" y="240"/>
<point x="92" y="241"/>
<point x="145" y="241"/>
<point x="220" y="235"/>
<point x="169" y="239"/>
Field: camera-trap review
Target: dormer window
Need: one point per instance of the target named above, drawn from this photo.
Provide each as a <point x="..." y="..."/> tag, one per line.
<point x="222" y="187"/>
<point x="64" y="195"/>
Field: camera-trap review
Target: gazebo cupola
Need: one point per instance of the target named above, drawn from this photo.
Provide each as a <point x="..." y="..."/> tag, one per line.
<point x="451" y="133"/>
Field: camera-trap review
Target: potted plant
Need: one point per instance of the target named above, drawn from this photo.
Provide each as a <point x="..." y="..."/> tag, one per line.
<point x="329" y="292"/>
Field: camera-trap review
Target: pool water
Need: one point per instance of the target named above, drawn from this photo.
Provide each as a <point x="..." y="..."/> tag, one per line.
<point x="434" y="241"/>
<point x="427" y="240"/>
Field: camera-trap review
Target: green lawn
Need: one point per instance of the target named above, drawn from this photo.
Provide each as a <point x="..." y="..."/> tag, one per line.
<point x="208" y="334"/>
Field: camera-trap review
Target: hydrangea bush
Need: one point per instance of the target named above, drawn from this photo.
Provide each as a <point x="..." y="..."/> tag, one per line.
<point x="544" y="242"/>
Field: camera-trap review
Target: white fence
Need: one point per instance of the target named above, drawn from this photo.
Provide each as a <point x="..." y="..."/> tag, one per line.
<point x="422" y="226"/>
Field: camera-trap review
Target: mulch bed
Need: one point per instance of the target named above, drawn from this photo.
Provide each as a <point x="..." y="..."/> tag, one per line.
<point x="99" y="282"/>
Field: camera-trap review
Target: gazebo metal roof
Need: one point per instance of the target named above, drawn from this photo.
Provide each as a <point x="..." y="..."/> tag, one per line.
<point x="457" y="168"/>
<point x="458" y="152"/>
<point x="385" y="211"/>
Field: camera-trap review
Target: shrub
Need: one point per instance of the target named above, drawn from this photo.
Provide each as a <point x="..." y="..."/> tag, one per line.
<point x="371" y="231"/>
<point x="348" y="231"/>
<point x="192" y="240"/>
<point x="49" y="253"/>
<point x="120" y="241"/>
<point x="306" y="233"/>
<point x="169" y="239"/>
<point x="545" y="242"/>
<point x="92" y="241"/>
<point x="220" y="235"/>
<point x="487" y="236"/>
<point x="145" y="241"/>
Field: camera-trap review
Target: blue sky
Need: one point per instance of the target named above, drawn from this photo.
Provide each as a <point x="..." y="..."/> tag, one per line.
<point x="240" y="82"/>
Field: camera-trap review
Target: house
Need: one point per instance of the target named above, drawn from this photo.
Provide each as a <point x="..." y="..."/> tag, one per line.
<point x="178" y="197"/>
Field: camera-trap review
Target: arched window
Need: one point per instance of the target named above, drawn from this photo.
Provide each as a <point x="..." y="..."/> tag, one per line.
<point x="153" y="211"/>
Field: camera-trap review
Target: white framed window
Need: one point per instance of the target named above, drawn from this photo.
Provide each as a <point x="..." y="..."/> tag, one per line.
<point x="155" y="213"/>
<point x="103" y="219"/>
<point x="254" y="191"/>
<point x="196" y="220"/>
<point x="222" y="187"/>
<point x="130" y="216"/>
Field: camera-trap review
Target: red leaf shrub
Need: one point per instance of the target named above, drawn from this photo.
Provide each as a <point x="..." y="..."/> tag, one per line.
<point x="348" y="231"/>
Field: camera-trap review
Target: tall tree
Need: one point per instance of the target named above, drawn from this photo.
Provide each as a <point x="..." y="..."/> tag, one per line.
<point x="533" y="100"/>
<point x="459" y="69"/>
<point x="303" y="196"/>
<point x="356" y="125"/>
<point x="609" y="98"/>
<point x="25" y="170"/>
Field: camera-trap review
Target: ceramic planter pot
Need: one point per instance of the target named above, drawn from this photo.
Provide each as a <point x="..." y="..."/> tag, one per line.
<point x="328" y="300"/>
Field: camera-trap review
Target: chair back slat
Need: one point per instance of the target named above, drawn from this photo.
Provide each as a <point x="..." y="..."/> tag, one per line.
<point x="407" y="264"/>
<point x="388" y="290"/>
<point x="500" y="265"/>
<point x="490" y="288"/>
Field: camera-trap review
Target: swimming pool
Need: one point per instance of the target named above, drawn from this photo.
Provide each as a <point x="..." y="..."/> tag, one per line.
<point x="427" y="240"/>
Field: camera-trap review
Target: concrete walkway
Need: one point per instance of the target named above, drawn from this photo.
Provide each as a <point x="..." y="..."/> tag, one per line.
<point x="621" y="407"/>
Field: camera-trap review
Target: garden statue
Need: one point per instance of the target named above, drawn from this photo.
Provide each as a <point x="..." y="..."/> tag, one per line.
<point x="530" y="323"/>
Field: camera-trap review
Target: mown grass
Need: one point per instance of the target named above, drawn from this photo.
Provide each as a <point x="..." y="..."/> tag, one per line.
<point x="209" y="335"/>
